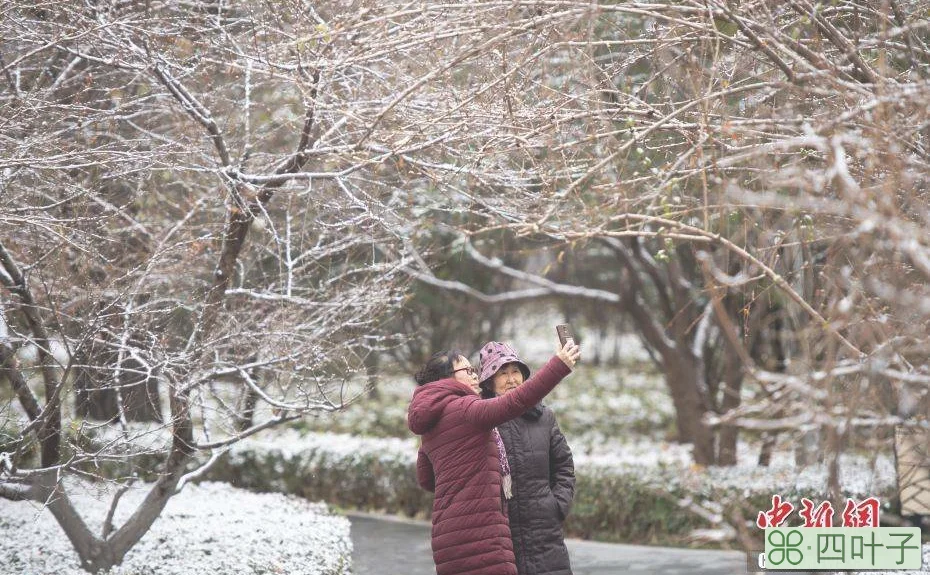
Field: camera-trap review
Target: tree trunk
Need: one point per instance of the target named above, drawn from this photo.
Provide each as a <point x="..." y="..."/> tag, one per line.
<point x="139" y="391"/>
<point x="97" y="553"/>
<point x="807" y="450"/>
<point x="768" y="448"/>
<point x="246" y="415"/>
<point x="94" y="553"/>
<point x="733" y="385"/>
<point x="371" y="371"/>
<point x="99" y="399"/>
<point x="94" y="400"/>
<point x="683" y="375"/>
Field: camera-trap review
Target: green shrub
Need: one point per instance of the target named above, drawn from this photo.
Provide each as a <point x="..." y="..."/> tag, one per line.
<point x="624" y="508"/>
<point x="368" y="480"/>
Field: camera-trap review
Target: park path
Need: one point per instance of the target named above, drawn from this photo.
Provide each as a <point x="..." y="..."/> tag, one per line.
<point x="386" y="545"/>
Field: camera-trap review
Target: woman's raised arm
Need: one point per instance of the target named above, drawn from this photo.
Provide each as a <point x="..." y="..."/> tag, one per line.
<point x="488" y="413"/>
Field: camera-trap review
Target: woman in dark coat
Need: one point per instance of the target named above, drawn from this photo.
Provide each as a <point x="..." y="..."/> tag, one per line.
<point x="541" y="467"/>
<point x="461" y="459"/>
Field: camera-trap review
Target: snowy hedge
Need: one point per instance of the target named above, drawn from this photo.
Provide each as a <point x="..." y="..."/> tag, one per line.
<point x="207" y="529"/>
<point x="372" y="474"/>
<point x="633" y="493"/>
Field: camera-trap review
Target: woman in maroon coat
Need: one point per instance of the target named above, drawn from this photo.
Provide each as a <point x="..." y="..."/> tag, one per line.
<point x="461" y="459"/>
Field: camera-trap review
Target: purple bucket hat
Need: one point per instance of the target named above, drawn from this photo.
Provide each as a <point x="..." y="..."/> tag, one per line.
<point x="494" y="355"/>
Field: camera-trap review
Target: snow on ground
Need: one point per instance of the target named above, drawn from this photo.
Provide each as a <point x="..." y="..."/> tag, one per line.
<point x="290" y="442"/>
<point x="208" y="529"/>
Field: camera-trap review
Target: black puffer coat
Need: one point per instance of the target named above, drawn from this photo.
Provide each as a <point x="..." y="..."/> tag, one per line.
<point x="543" y="488"/>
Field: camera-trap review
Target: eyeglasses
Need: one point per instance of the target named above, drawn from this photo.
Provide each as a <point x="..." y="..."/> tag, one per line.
<point x="469" y="370"/>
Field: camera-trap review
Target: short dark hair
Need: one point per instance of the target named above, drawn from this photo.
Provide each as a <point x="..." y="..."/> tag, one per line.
<point x="439" y="366"/>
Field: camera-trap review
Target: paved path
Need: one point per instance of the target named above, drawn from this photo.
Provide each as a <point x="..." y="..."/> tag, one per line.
<point x="392" y="546"/>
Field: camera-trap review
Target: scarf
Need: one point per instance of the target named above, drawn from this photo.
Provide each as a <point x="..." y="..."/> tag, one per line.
<point x="507" y="482"/>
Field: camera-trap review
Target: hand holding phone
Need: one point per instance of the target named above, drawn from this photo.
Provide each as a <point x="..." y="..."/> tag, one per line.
<point x="569" y="353"/>
<point x="565" y="333"/>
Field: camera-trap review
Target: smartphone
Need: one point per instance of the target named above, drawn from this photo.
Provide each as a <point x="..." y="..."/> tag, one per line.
<point x="565" y="333"/>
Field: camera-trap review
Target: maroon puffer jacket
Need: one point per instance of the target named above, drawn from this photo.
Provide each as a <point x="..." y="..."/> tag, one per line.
<point x="459" y="460"/>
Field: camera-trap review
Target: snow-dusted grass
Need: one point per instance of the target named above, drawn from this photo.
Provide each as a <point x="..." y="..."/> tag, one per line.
<point x="616" y="402"/>
<point x="288" y="444"/>
<point x="207" y="529"/>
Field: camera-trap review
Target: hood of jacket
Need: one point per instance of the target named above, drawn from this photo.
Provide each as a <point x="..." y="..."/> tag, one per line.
<point x="430" y="400"/>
